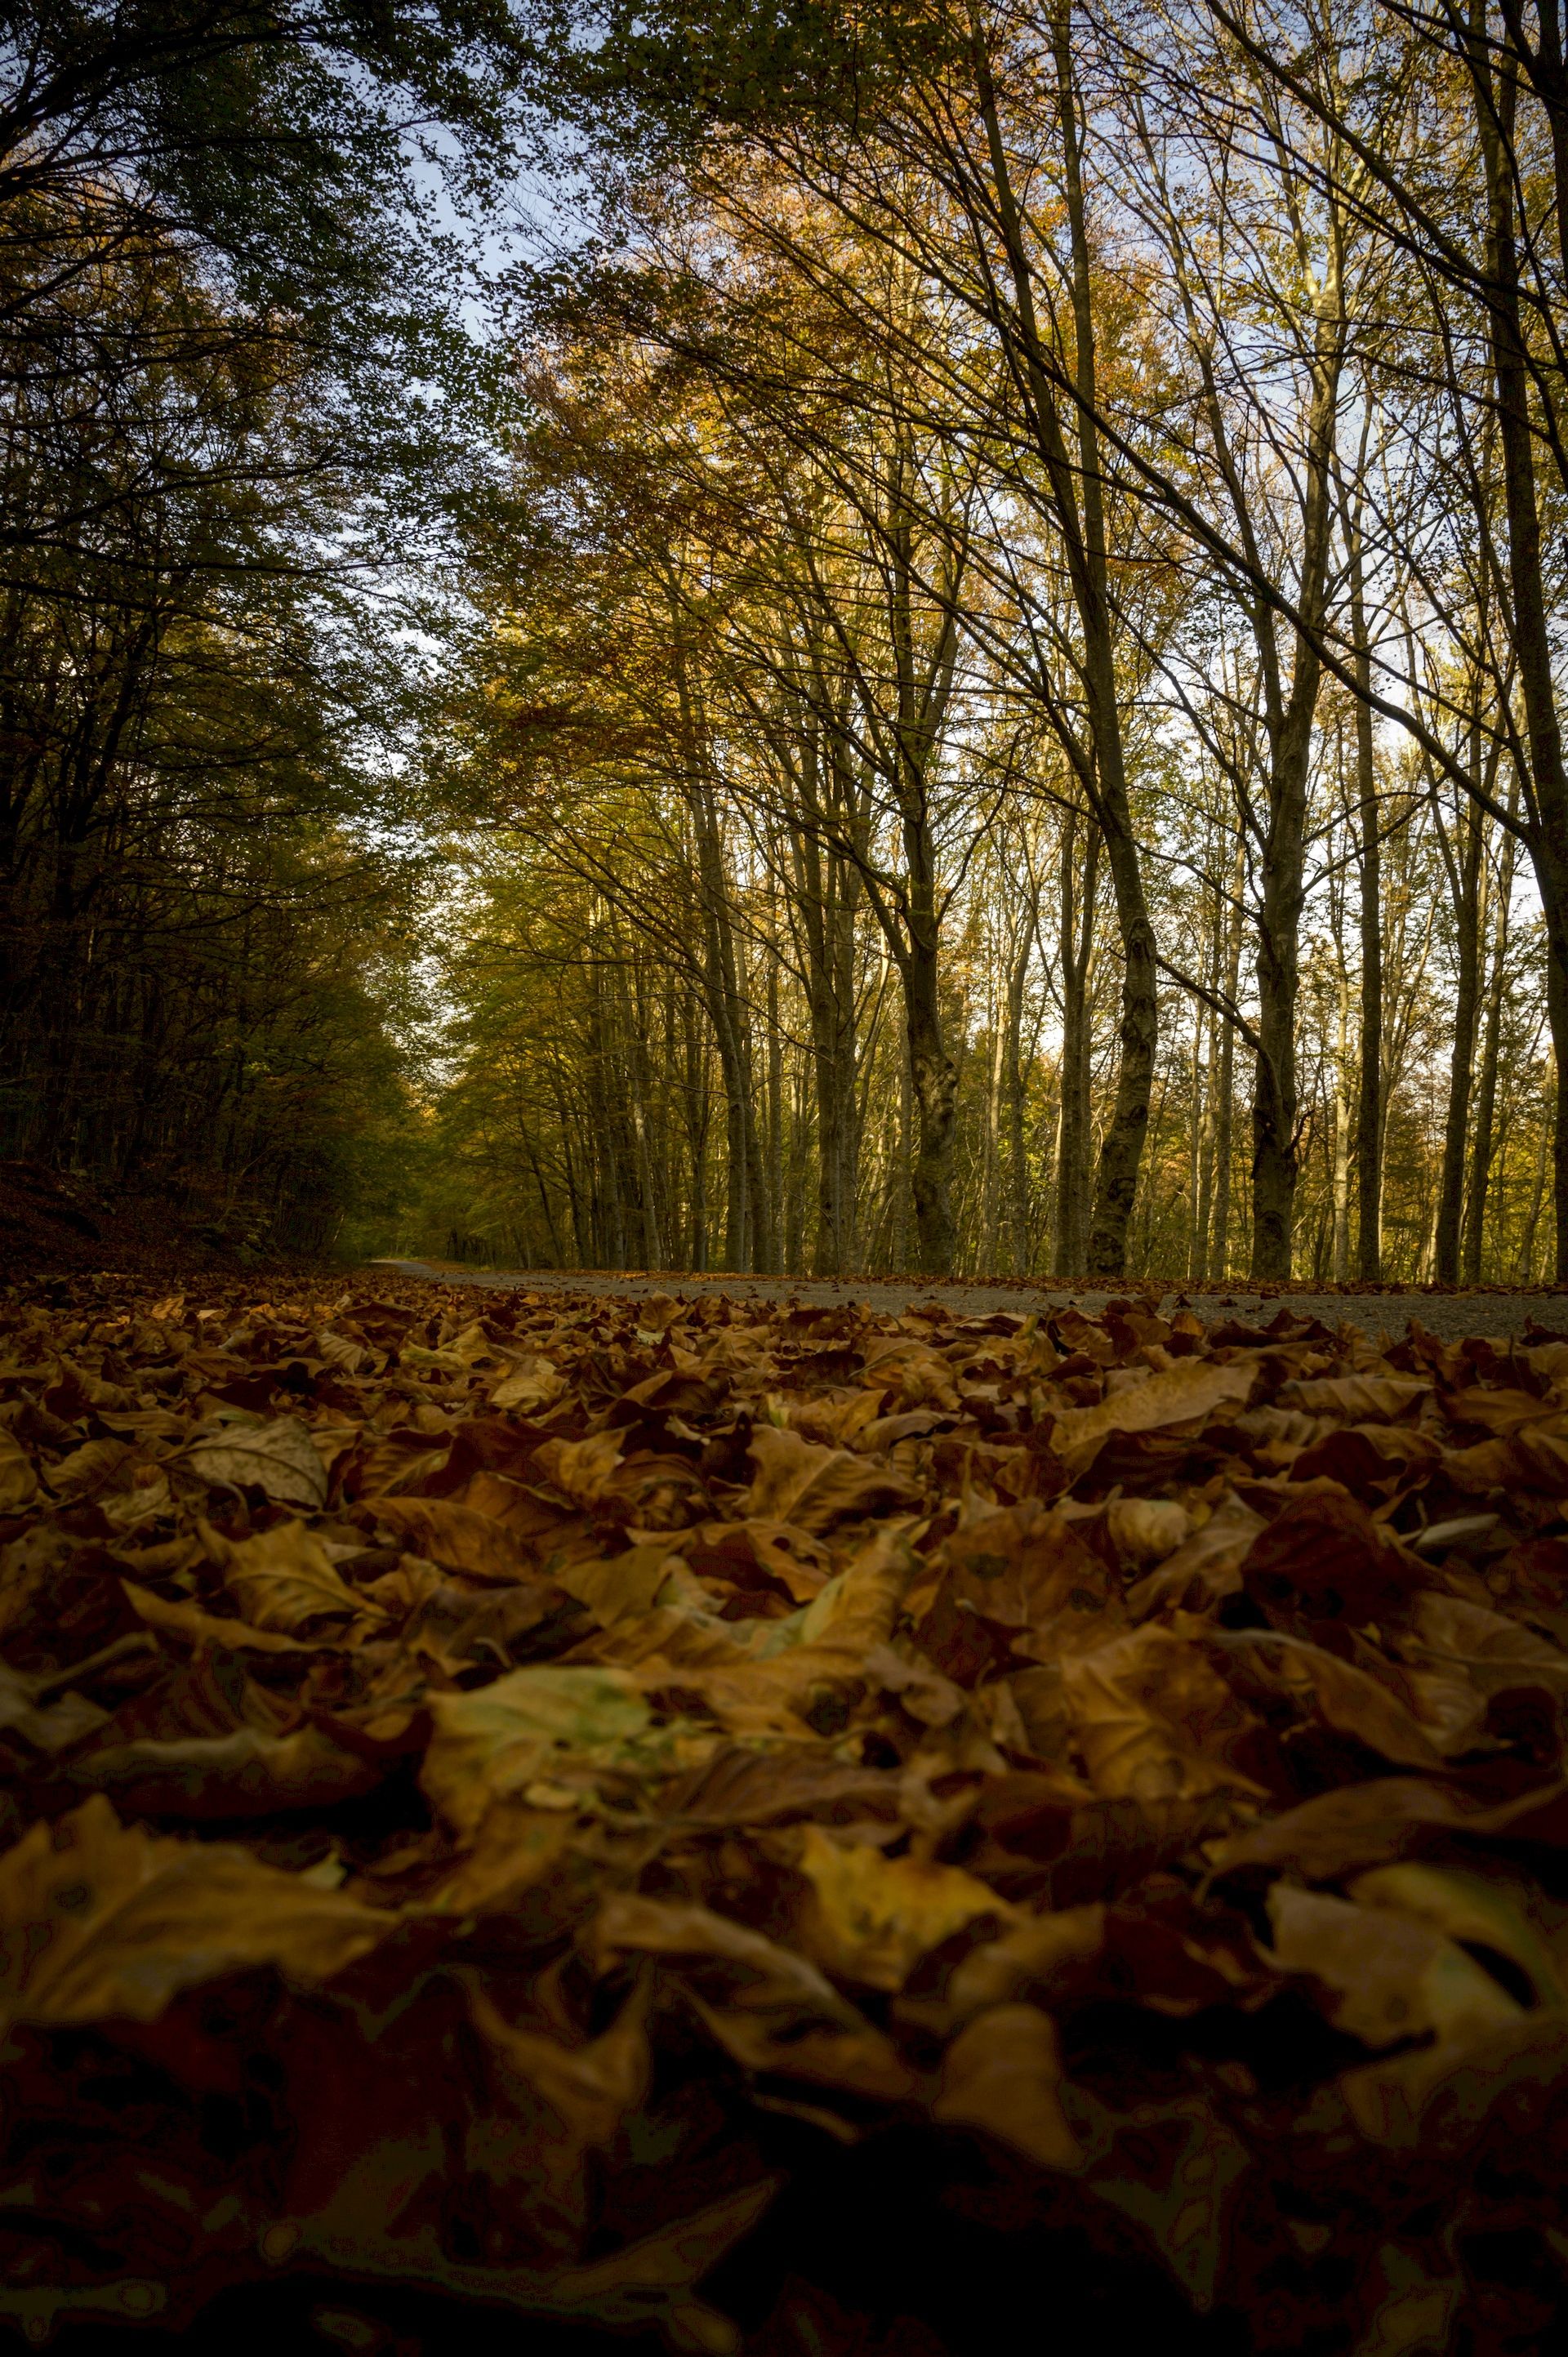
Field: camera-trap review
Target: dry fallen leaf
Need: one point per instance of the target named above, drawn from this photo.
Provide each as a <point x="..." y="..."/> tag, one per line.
<point x="100" y="1921"/>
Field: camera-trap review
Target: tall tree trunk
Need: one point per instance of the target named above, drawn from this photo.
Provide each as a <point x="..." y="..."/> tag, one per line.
<point x="1369" y="1094"/>
<point x="1017" y="1180"/>
<point x="1075" y="480"/>
<point x="1341" y="1260"/>
<point x="1199" y="1128"/>
<point x="1486" y="1084"/>
<point x="1464" y="866"/>
<point x="1496" y="96"/>
<point x="933" y="1080"/>
<point x="1076" y="955"/>
<point x="1282" y="877"/>
<point x="1219" y="1258"/>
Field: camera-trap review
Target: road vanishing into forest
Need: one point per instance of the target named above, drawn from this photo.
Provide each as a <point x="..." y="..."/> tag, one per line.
<point x="1450" y="1315"/>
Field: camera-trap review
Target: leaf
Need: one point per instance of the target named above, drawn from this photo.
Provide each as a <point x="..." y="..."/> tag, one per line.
<point x="580" y="1470"/>
<point x="496" y="1741"/>
<point x="873" y="1917"/>
<point x="49" y="1727"/>
<point x="1467" y="1908"/>
<point x="812" y="1488"/>
<point x="1144" y="1531"/>
<point x="1351" y="1699"/>
<point x="1181" y="1394"/>
<point x="1325" y="1555"/>
<point x="1206" y="1567"/>
<point x="1356" y="1398"/>
<point x="770" y="2009"/>
<point x="279" y="1458"/>
<point x="1386" y="1976"/>
<point x="1151" y="1720"/>
<point x="457" y="1536"/>
<point x="90" y="1469"/>
<point x="100" y="1920"/>
<point x="200" y="1627"/>
<point x="18" y="1482"/>
<point x="530" y="1383"/>
<point x="283" y="1578"/>
<point x="1335" y="1832"/>
<point x="553" y="2105"/>
<point x="1002" y="2074"/>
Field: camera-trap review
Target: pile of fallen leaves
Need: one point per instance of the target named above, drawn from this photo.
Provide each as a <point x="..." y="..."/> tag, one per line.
<point x="493" y="1801"/>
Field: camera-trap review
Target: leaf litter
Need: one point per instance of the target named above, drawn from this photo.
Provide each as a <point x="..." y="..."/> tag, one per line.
<point x="544" y="1780"/>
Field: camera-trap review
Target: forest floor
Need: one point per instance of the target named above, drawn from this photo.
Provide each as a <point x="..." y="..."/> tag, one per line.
<point x="530" y="1811"/>
<point x="1384" y="1312"/>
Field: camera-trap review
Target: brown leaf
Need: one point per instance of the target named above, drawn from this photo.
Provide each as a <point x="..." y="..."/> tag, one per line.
<point x="100" y="1920"/>
<point x="1386" y="1975"/>
<point x="1002" y="2074"/>
<point x="1184" y="1393"/>
<point x="18" y="1482"/>
<point x="279" y="1458"/>
<point x="189" y="1621"/>
<point x="812" y="1488"/>
<point x="283" y="1578"/>
<point x="1153" y="1721"/>
<point x="242" y="1774"/>
<point x="455" y="1536"/>
<point x="771" y="2010"/>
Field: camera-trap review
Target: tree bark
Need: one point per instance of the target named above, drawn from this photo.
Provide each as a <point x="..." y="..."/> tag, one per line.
<point x="1464" y="867"/>
<point x="1487" y="1084"/>
<point x="1076" y="953"/>
<point x="1076" y="481"/>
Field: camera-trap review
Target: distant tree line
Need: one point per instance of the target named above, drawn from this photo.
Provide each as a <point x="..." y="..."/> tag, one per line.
<point x="230" y="397"/>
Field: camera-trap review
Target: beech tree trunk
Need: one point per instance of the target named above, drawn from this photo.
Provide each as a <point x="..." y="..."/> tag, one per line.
<point x="1076" y="953"/>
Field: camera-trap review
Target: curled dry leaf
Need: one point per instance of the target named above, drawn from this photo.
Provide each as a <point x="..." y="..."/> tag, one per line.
<point x="283" y="1578"/>
<point x="1180" y="1394"/>
<point x="100" y="1921"/>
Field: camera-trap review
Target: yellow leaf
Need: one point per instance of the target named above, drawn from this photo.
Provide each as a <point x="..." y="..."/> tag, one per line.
<point x="872" y="1916"/>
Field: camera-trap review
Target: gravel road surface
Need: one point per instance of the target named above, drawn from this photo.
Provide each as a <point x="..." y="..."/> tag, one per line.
<point x="1451" y="1315"/>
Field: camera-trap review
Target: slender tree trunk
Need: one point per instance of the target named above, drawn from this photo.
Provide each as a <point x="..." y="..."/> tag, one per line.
<point x="1341" y="1262"/>
<point x="1076" y="951"/>
<point x="1370" y="1095"/>
<point x="1077" y="494"/>
<point x="1487" y="1084"/>
<point x="1465" y="876"/>
<point x="1282" y="893"/>
<point x="1495" y="95"/>
<point x="1197" y="1226"/>
<point x="1219" y="1261"/>
<point x="934" y="1085"/>
<point x="1017" y="1150"/>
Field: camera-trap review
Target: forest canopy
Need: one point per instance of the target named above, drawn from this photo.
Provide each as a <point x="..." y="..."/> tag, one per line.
<point x="808" y="639"/>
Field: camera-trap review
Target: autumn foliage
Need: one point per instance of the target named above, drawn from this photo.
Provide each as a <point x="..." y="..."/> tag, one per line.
<point x="496" y="1802"/>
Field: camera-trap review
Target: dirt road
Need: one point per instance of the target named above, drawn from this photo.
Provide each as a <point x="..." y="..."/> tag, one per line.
<point x="1452" y="1315"/>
